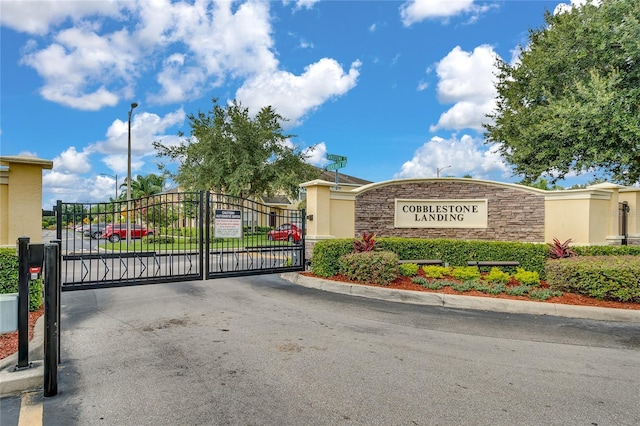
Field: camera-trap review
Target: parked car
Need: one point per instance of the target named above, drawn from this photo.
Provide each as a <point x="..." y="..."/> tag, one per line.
<point x="118" y="231"/>
<point x="94" y="230"/>
<point x="285" y="232"/>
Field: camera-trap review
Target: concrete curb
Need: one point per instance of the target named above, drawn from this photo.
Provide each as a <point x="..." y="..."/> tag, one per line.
<point x="13" y="382"/>
<point x="466" y="302"/>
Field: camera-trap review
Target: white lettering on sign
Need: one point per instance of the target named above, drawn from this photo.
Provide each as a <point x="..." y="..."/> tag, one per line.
<point x="227" y="224"/>
<point x="441" y="213"/>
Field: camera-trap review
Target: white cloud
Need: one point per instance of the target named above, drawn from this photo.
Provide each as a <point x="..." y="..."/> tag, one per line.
<point x="415" y="11"/>
<point x="566" y="7"/>
<point x="319" y="82"/>
<point x="194" y="47"/>
<point x="466" y="155"/>
<point x="467" y="80"/>
<point x="305" y="4"/>
<point x="72" y="161"/>
<point x="38" y="17"/>
<point x="145" y="129"/>
<point x="316" y="156"/>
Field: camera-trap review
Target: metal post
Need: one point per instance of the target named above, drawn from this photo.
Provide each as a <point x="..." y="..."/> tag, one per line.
<point x="23" y="303"/>
<point x="52" y="318"/>
<point x="59" y="287"/>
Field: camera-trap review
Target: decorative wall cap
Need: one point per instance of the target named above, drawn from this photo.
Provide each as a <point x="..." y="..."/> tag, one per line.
<point x="606" y="185"/>
<point x="319" y="182"/>
<point x="529" y="189"/>
<point x="579" y="194"/>
<point x="8" y="160"/>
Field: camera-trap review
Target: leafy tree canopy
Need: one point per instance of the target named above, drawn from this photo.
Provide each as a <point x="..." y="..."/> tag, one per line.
<point x="144" y="186"/>
<point x="229" y="151"/>
<point x="572" y="103"/>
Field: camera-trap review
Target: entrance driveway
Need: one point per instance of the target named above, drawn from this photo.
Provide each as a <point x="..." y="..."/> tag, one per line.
<point x="263" y="351"/>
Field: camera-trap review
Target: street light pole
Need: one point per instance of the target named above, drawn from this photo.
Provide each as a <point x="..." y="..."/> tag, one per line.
<point x="116" y="178"/>
<point x="133" y="105"/>
<point x="439" y="169"/>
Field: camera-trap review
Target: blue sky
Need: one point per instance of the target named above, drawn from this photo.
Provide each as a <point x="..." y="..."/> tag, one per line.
<point x="400" y="88"/>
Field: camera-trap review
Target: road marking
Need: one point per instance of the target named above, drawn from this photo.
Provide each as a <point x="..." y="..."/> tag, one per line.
<point x="30" y="410"/>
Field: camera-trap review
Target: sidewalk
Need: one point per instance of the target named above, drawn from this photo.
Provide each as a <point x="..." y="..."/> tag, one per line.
<point x="13" y="382"/>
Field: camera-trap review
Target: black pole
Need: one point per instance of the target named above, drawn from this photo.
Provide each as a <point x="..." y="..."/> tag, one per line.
<point x="23" y="303"/>
<point x="51" y="318"/>
<point x="59" y="288"/>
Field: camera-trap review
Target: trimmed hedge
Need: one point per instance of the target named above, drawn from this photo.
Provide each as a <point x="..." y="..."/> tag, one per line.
<point x="9" y="278"/>
<point x="531" y="256"/>
<point x="326" y="256"/>
<point x="603" y="277"/>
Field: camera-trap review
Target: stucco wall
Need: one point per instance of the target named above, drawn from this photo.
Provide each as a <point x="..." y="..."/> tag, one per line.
<point x="515" y="213"/>
<point x="21" y="199"/>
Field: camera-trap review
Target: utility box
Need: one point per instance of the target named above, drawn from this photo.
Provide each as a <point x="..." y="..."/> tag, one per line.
<point x="8" y="312"/>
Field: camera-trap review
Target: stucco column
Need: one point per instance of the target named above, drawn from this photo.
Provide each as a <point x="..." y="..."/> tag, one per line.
<point x="318" y="209"/>
<point x="613" y="222"/>
<point x="21" y="198"/>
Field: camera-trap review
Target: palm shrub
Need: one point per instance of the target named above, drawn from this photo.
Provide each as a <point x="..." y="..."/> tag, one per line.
<point x="370" y="267"/>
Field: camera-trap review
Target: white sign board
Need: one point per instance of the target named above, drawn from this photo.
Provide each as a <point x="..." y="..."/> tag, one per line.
<point x="228" y="224"/>
<point x="441" y="213"/>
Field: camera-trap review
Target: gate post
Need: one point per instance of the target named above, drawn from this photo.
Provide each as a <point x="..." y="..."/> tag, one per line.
<point x="23" y="303"/>
<point x="52" y="318"/>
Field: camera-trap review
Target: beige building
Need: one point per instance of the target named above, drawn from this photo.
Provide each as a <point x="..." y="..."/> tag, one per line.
<point x="21" y="198"/>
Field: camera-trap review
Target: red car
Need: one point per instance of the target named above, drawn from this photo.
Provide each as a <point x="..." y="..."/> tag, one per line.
<point x="285" y="232"/>
<point x="118" y="231"/>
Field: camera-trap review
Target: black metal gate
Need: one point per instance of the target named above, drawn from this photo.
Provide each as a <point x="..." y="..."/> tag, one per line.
<point x="176" y="236"/>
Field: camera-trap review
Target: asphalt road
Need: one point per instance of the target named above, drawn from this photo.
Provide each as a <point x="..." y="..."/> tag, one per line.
<point x="263" y="351"/>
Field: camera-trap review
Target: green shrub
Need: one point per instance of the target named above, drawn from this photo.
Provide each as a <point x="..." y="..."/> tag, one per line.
<point x="497" y="276"/>
<point x="419" y="280"/>
<point x="370" y="267"/>
<point x="434" y="271"/>
<point x="480" y="286"/>
<point x="9" y="278"/>
<point x="602" y="277"/>
<point x="438" y="284"/>
<point x="463" y="286"/>
<point x="520" y="290"/>
<point x="158" y="239"/>
<point x="529" y="278"/>
<point x="543" y="293"/>
<point x="408" y="269"/>
<point x="465" y="273"/>
<point x="607" y="250"/>
<point x="497" y="289"/>
<point x="326" y="256"/>
<point x="532" y="256"/>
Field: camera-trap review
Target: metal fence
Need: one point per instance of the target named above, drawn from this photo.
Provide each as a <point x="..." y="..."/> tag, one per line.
<point x="176" y="236"/>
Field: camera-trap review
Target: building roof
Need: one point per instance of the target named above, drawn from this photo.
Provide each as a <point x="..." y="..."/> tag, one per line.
<point x="330" y="176"/>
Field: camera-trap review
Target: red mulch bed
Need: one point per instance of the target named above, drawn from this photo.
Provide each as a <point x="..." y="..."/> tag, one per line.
<point x="9" y="341"/>
<point x="404" y="283"/>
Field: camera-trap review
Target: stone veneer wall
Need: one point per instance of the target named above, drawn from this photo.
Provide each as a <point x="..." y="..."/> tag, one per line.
<point x="513" y="214"/>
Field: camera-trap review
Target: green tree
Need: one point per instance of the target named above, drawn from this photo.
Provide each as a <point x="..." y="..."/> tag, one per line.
<point x="572" y="102"/>
<point x="145" y="186"/>
<point x="229" y="151"/>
